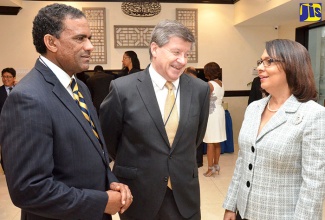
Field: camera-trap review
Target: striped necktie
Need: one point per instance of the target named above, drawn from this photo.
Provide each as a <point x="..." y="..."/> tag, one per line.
<point x="82" y="105"/>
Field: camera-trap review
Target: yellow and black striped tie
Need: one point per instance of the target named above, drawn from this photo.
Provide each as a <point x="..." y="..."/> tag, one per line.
<point x="82" y="105"/>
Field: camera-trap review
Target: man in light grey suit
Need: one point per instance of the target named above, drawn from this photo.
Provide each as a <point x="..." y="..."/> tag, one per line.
<point x="162" y="174"/>
<point x="56" y="168"/>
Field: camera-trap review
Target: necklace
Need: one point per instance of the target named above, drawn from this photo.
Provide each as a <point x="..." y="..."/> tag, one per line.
<point x="268" y="107"/>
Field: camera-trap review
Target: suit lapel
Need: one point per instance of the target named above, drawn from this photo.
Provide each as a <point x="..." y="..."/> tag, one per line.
<point x="280" y="117"/>
<point x="61" y="93"/>
<point x="149" y="99"/>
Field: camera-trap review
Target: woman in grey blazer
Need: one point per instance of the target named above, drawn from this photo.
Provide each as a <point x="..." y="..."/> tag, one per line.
<point x="280" y="170"/>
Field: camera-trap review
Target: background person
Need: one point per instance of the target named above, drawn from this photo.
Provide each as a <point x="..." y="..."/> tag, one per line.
<point x="8" y="76"/>
<point x="56" y="168"/>
<point x="130" y="63"/>
<point x="216" y="128"/>
<point x="256" y="91"/>
<point x="191" y="71"/>
<point x="82" y="76"/>
<point x="154" y="149"/>
<point x="280" y="170"/>
<point x="98" y="85"/>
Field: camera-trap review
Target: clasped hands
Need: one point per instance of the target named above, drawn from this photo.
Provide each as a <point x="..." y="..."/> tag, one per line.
<point x="119" y="198"/>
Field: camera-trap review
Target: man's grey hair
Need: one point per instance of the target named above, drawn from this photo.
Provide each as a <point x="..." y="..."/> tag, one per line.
<point x="166" y="29"/>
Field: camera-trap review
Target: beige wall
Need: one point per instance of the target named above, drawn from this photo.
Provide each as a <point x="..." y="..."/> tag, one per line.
<point x="234" y="48"/>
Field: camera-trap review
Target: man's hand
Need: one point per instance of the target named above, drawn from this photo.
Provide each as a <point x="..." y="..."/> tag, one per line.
<point x="126" y="196"/>
<point x="229" y="215"/>
<point x="114" y="204"/>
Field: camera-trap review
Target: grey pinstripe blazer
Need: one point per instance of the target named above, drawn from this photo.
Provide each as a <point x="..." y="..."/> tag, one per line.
<point x="280" y="173"/>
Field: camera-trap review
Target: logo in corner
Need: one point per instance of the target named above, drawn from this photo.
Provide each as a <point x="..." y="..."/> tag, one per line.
<point x="310" y="12"/>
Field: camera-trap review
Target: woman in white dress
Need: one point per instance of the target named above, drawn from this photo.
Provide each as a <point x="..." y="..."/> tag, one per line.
<point x="216" y="128"/>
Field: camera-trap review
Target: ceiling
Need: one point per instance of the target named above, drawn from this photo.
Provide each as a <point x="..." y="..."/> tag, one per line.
<point x="12" y="7"/>
<point x="285" y="14"/>
<point x="11" y="3"/>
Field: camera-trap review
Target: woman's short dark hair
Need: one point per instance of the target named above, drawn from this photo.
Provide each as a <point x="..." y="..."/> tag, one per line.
<point x="297" y="66"/>
<point x="49" y="20"/>
<point x="134" y="59"/>
<point x="212" y="70"/>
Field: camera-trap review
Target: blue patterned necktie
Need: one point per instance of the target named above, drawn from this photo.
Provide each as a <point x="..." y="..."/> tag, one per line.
<point x="82" y="105"/>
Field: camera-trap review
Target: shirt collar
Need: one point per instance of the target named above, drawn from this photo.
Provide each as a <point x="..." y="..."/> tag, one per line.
<point x="63" y="77"/>
<point x="160" y="81"/>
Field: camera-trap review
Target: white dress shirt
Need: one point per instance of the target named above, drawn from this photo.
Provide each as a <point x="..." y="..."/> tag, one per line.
<point x="161" y="90"/>
<point x="8" y="90"/>
<point x="63" y="77"/>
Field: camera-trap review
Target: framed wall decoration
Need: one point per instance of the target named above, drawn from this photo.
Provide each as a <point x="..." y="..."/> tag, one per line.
<point x="97" y="21"/>
<point x="189" y="17"/>
<point x="132" y="36"/>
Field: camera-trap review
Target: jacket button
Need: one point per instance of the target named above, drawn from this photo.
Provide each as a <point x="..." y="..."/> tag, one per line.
<point x="165" y="178"/>
<point x="253" y="149"/>
<point x="250" y="166"/>
<point x="248" y="184"/>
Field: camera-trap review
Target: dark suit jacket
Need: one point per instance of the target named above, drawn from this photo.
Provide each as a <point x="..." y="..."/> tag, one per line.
<point x="3" y="96"/>
<point x="126" y="72"/>
<point x="55" y="166"/>
<point x="136" y="138"/>
<point x="256" y="91"/>
<point x="98" y="86"/>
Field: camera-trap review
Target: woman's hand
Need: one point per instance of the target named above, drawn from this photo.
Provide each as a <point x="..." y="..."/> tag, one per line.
<point x="229" y="215"/>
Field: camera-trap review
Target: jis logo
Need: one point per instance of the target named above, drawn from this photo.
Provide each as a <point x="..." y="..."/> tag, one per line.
<point x="310" y="12"/>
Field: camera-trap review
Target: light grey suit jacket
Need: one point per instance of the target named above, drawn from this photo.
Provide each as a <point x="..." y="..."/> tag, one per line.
<point x="136" y="138"/>
<point x="280" y="173"/>
<point x="55" y="167"/>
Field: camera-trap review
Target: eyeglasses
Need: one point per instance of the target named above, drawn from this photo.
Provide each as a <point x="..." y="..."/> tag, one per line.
<point x="7" y="77"/>
<point x="124" y="58"/>
<point x="177" y="53"/>
<point x="267" y="62"/>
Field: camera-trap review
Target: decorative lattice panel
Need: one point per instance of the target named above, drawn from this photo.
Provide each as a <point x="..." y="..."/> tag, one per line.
<point x="132" y="36"/>
<point x="97" y="21"/>
<point x="189" y="18"/>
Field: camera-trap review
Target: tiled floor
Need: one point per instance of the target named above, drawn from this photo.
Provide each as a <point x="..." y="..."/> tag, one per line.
<point x="213" y="191"/>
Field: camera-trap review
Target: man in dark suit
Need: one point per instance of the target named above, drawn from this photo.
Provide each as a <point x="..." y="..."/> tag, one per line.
<point x="8" y="76"/>
<point x="98" y="85"/>
<point x="56" y="162"/>
<point x="156" y="160"/>
<point x="256" y="91"/>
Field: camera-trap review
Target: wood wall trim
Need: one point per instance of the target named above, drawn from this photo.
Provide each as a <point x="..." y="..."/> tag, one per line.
<point x="236" y="93"/>
<point x="6" y="10"/>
